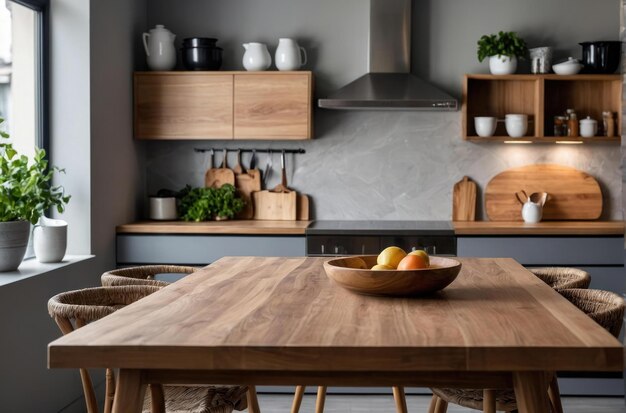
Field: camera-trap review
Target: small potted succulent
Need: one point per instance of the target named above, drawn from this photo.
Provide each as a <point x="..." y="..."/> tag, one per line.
<point x="503" y="50"/>
<point x="25" y="194"/>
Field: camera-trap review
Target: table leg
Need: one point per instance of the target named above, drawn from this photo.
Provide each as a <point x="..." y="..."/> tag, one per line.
<point x="130" y="392"/>
<point x="297" y="399"/>
<point x="321" y="399"/>
<point x="531" y="391"/>
<point x="400" y="399"/>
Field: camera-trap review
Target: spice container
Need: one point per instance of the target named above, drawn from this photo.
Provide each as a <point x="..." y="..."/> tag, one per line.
<point x="572" y="123"/>
<point x="560" y="126"/>
<point x="588" y="127"/>
<point x="609" y="124"/>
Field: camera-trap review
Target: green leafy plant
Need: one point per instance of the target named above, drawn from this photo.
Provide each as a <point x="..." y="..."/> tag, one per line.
<point x="501" y="44"/>
<point x="25" y="186"/>
<point x="204" y="204"/>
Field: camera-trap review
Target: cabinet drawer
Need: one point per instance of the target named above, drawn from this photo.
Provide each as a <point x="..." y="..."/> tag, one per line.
<point x="183" y="106"/>
<point x="202" y="250"/>
<point x="579" y="251"/>
<point x="271" y="106"/>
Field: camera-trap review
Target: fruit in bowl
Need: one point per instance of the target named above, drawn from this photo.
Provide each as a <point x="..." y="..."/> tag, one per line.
<point x="414" y="273"/>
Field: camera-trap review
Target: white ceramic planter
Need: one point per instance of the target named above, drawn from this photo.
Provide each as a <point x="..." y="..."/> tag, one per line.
<point x="13" y="241"/>
<point x="502" y="65"/>
<point x="50" y="240"/>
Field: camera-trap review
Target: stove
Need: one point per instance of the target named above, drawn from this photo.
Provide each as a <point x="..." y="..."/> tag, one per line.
<point x="338" y="238"/>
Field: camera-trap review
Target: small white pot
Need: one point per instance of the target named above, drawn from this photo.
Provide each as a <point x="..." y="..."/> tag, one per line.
<point x="516" y="125"/>
<point x="163" y="209"/>
<point x="50" y="239"/>
<point x="502" y="65"/>
<point x="485" y="126"/>
<point x="588" y="127"/>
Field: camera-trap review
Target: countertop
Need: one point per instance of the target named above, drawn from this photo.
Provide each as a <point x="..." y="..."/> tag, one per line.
<point x="542" y="228"/>
<point x="235" y="227"/>
<point x="251" y="227"/>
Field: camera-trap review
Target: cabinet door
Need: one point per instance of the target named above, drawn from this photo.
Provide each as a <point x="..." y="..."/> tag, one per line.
<point x="183" y="106"/>
<point x="273" y="106"/>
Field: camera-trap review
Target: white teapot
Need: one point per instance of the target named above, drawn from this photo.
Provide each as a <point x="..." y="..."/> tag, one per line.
<point x="160" y="51"/>
<point x="256" y="57"/>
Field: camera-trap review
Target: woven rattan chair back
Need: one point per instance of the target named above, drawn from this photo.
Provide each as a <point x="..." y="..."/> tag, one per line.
<point x="143" y="275"/>
<point x="561" y="278"/>
<point x="74" y="309"/>
<point x="604" y="307"/>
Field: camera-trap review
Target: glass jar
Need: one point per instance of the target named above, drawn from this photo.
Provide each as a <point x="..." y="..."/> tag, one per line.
<point x="560" y="126"/>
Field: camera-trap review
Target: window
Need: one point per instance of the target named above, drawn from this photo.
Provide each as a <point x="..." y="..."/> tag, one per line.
<point x="22" y="72"/>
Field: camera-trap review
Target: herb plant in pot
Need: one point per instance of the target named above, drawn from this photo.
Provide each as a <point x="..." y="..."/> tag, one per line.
<point x="25" y="194"/>
<point x="503" y="50"/>
<point x="204" y="204"/>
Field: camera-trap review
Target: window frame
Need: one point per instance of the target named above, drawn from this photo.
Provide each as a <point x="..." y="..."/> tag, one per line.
<point x="42" y="7"/>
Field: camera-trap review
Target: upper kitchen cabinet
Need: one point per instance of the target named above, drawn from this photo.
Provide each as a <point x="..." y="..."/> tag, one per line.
<point x="223" y="105"/>
<point x="173" y="105"/>
<point x="273" y="105"/>
<point x="541" y="97"/>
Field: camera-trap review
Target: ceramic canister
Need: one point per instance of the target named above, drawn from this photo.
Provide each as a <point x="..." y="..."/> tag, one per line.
<point x="50" y="239"/>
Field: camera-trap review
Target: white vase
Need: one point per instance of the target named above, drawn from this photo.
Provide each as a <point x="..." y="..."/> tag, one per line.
<point x="159" y="46"/>
<point x="289" y="55"/>
<point x="13" y="241"/>
<point x="50" y="239"/>
<point x="256" y="57"/>
<point x="502" y="65"/>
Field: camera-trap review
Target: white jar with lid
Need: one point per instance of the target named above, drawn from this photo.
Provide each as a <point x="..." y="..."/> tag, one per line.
<point x="588" y="127"/>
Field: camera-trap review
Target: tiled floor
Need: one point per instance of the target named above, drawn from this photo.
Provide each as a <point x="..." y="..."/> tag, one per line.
<point x="271" y="403"/>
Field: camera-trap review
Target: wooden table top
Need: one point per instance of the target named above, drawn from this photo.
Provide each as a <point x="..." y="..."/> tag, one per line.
<point x="284" y="314"/>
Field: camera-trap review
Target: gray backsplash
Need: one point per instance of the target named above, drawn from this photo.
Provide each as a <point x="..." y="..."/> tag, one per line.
<point x="387" y="165"/>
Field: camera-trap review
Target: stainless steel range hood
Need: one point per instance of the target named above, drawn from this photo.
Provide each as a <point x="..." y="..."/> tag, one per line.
<point x="389" y="85"/>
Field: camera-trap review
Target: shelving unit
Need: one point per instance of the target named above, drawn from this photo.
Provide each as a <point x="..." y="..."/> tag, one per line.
<point x="541" y="97"/>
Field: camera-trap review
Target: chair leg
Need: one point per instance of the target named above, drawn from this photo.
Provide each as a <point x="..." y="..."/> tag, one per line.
<point x="442" y="406"/>
<point x="433" y="404"/>
<point x="321" y="399"/>
<point x="489" y="401"/>
<point x="400" y="398"/>
<point x="157" y="398"/>
<point x="297" y="399"/>
<point x="555" y="395"/>
<point x="109" y="391"/>
<point x="253" y="401"/>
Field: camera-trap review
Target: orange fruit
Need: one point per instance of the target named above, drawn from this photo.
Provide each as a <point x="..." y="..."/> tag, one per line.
<point x="391" y="257"/>
<point x="422" y="253"/>
<point x="413" y="262"/>
<point x="380" y="267"/>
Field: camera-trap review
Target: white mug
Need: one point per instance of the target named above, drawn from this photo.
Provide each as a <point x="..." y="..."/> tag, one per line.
<point x="485" y="125"/>
<point x="516" y="125"/>
<point x="289" y="55"/>
<point x="50" y="239"/>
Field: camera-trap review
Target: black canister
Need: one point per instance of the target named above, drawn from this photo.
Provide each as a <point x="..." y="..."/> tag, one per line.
<point x="201" y="53"/>
<point x="601" y="57"/>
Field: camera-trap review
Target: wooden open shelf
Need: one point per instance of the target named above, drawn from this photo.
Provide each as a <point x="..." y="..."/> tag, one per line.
<point x="541" y="97"/>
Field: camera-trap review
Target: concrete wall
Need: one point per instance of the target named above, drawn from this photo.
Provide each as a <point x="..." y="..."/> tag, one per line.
<point x="384" y="165"/>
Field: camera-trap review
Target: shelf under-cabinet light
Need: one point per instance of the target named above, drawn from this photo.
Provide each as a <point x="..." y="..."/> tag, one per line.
<point x="569" y="142"/>
<point x="518" y="142"/>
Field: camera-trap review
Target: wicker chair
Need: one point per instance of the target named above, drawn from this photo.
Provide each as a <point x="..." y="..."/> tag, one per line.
<point x="143" y="275"/>
<point x="561" y="278"/>
<point x="74" y="309"/>
<point x="604" y="307"/>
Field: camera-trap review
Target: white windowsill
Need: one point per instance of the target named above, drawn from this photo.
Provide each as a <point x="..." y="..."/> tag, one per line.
<point x="31" y="268"/>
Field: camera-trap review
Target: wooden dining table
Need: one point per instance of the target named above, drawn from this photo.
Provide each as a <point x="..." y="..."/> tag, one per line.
<point x="281" y="321"/>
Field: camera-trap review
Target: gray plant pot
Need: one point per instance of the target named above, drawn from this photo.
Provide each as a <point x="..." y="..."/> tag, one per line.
<point x="13" y="241"/>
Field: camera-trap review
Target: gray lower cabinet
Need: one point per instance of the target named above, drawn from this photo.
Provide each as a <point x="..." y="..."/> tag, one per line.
<point x="602" y="257"/>
<point x="134" y="249"/>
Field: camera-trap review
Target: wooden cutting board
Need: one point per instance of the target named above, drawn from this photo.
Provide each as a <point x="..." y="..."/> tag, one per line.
<point x="247" y="183"/>
<point x="302" y="207"/>
<point x="572" y="194"/>
<point x="275" y="205"/>
<point x="464" y="200"/>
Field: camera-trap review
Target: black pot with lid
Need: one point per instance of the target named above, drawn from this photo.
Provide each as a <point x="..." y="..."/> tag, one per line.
<point x="601" y="57"/>
<point x="201" y="53"/>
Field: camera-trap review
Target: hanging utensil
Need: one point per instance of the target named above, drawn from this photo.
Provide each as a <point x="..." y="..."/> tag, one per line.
<point x="238" y="169"/>
<point x="216" y="177"/>
<point x="282" y="186"/>
<point x="268" y="168"/>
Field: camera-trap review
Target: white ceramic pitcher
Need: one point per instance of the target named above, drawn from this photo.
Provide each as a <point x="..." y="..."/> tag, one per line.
<point x="160" y="51"/>
<point x="50" y="239"/>
<point x="532" y="208"/>
<point x="289" y="55"/>
<point x="256" y="57"/>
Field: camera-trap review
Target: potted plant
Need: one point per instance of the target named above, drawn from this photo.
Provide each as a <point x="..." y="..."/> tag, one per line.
<point x="503" y="50"/>
<point x="25" y="194"/>
<point x="204" y="204"/>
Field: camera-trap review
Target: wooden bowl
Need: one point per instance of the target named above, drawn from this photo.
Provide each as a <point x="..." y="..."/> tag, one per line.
<point x="439" y="275"/>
